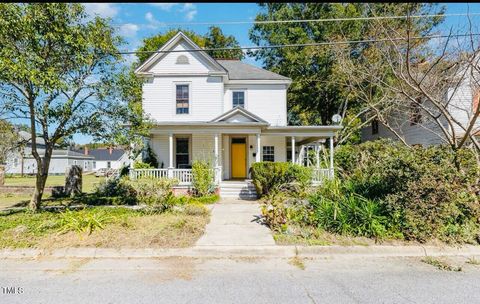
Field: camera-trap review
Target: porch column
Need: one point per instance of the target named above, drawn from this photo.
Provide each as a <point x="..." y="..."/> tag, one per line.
<point x="170" y="155"/>
<point x="257" y="155"/>
<point x="216" y="150"/>
<point x="317" y="154"/>
<point x="293" y="149"/>
<point x="217" y="171"/>
<point x="331" y="156"/>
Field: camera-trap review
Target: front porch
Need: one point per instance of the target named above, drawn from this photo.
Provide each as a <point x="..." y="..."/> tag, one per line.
<point x="233" y="148"/>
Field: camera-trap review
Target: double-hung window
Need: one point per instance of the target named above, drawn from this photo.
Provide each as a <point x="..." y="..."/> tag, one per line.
<point x="238" y="99"/>
<point x="182" y="98"/>
<point x="269" y="153"/>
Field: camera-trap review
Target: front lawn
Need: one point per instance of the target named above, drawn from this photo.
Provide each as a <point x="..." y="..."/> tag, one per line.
<point x="103" y="227"/>
<point x="89" y="181"/>
<point x="12" y="199"/>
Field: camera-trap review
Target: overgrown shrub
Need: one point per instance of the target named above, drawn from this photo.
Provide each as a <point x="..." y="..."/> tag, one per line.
<point x="157" y="194"/>
<point x="387" y="190"/>
<point x="203" y="182"/>
<point x="427" y="192"/>
<point x="142" y="165"/>
<point x="151" y="158"/>
<point x="271" y="176"/>
<point x="112" y="191"/>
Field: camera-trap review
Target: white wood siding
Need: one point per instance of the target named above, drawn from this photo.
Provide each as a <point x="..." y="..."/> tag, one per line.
<point x="168" y="65"/>
<point x="203" y="148"/>
<point x="266" y="101"/>
<point x="206" y="98"/>
<point x="461" y="107"/>
<point x="159" y="145"/>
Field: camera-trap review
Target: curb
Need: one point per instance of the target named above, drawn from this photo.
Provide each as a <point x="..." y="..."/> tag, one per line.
<point x="246" y="251"/>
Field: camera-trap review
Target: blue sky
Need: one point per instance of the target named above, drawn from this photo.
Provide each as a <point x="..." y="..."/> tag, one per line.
<point x="137" y="21"/>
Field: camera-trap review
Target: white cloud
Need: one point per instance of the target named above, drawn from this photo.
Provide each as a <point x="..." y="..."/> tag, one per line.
<point x="188" y="6"/>
<point x="152" y="22"/>
<point x="106" y="10"/>
<point x="164" y="6"/>
<point x="190" y="15"/>
<point x="129" y="30"/>
<point x="149" y="17"/>
<point x="191" y="11"/>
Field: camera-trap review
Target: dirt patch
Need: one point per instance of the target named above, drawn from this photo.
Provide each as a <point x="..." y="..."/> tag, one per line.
<point x="149" y="231"/>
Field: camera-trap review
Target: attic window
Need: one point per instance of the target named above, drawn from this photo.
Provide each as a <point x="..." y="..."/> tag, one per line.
<point x="182" y="59"/>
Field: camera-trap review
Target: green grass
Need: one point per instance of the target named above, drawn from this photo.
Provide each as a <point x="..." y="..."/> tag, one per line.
<point x="100" y="227"/>
<point x="11" y="199"/>
<point x="89" y="181"/>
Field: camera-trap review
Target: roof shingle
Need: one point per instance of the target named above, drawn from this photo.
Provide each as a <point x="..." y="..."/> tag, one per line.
<point x="238" y="70"/>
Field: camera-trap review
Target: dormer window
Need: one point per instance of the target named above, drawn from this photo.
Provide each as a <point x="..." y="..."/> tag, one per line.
<point x="182" y="59"/>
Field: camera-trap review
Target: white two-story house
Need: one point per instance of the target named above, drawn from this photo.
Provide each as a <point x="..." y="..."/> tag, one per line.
<point x="223" y="111"/>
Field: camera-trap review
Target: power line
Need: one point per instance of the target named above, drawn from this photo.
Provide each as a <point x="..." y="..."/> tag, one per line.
<point x="301" y="44"/>
<point x="166" y="24"/>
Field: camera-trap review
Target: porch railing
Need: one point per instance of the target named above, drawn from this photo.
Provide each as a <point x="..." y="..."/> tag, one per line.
<point x="184" y="176"/>
<point x="319" y="175"/>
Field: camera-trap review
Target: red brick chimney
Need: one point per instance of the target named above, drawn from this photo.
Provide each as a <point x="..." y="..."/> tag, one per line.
<point x="110" y="150"/>
<point x="85" y="150"/>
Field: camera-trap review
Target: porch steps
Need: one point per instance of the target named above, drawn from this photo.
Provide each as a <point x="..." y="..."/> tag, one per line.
<point x="244" y="190"/>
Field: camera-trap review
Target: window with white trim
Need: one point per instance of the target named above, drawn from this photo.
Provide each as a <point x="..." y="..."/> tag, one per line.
<point x="182" y="98"/>
<point x="268" y="153"/>
<point x="238" y="99"/>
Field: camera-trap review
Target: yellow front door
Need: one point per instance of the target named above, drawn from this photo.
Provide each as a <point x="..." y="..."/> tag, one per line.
<point x="239" y="160"/>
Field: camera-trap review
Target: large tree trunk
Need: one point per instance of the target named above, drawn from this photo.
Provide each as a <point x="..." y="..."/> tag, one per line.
<point x="40" y="182"/>
<point x="43" y="165"/>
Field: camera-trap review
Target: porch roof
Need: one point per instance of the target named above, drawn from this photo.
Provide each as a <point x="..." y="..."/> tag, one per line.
<point x="307" y="131"/>
<point x="263" y="128"/>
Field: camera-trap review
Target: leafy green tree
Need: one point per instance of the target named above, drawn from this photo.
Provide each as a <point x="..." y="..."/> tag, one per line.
<point x="317" y="93"/>
<point x="58" y="70"/>
<point x="216" y="39"/>
<point x="8" y="139"/>
<point x="155" y="42"/>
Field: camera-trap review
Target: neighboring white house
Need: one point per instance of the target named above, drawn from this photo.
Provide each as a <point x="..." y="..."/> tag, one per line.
<point x="224" y="111"/>
<point x="21" y="161"/>
<point x="106" y="158"/>
<point x="416" y="127"/>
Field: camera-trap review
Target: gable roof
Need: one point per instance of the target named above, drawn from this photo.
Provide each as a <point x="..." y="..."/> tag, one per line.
<point x="238" y="70"/>
<point x="239" y="111"/>
<point x="170" y="44"/>
<point x="104" y="154"/>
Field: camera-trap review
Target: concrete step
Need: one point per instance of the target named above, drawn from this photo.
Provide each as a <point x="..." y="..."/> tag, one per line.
<point x="238" y="190"/>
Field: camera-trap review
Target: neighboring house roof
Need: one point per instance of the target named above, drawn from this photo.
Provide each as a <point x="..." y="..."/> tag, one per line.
<point x="57" y="153"/>
<point x="238" y="111"/>
<point x="26" y="136"/>
<point x="104" y="154"/>
<point x="238" y="70"/>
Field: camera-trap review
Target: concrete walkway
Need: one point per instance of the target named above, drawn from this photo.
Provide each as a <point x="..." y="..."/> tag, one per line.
<point x="236" y="223"/>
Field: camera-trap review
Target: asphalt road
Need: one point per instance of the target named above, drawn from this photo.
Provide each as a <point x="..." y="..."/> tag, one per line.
<point x="245" y="280"/>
